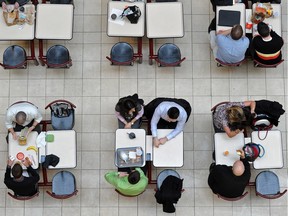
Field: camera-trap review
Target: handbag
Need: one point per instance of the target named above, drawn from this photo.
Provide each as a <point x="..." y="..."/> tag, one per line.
<point x="62" y="116"/>
<point x="132" y="13"/>
<point x="262" y="122"/>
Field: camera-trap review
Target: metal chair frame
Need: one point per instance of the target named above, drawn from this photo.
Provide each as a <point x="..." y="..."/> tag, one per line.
<point x="23" y="198"/>
<point x="221" y="63"/>
<point x="259" y="64"/>
<point x="234" y="198"/>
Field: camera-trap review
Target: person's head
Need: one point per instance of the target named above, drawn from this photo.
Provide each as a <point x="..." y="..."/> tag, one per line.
<point x="134" y="177"/>
<point x="173" y="114"/>
<point x="235" y="115"/>
<point x="238" y="168"/>
<point x="236" y="32"/>
<point x="263" y="29"/>
<point x="20" y="118"/>
<point x="129" y="106"/>
<point x="17" y="171"/>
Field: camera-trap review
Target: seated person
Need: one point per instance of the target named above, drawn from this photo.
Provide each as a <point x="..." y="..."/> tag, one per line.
<point x="266" y="47"/>
<point x="230" y="45"/>
<point x="131" y="184"/>
<point x="129" y="111"/>
<point x="230" y="181"/>
<point x="230" y="117"/>
<point x="4" y="4"/>
<point x="21" y="115"/>
<point x="21" y="185"/>
<point x="167" y="113"/>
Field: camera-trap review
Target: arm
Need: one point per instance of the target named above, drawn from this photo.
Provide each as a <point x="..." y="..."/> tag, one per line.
<point x="33" y="174"/>
<point x="118" y="115"/>
<point x="177" y="130"/>
<point x="224" y="32"/>
<point x="112" y="178"/>
<point x="231" y="133"/>
<point x="251" y="104"/>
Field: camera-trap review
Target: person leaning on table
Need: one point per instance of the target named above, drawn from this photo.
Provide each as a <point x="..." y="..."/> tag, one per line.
<point x="230" y="181"/>
<point x="21" y="185"/>
<point x="21" y="115"/>
<point x="230" y="117"/>
<point x="131" y="184"/>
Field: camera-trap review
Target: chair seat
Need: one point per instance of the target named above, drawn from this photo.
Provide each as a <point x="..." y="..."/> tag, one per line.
<point x="267" y="183"/>
<point x="165" y="173"/>
<point x="63" y="183"/>
<point x="14" y="56"/>
<point x="169" y="53"/>
<point x="122" y="52"/>
<point x="57" y="55"/>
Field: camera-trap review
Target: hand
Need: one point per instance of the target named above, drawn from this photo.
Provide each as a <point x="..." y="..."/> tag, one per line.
<point x="156" y="142"/>
<point x="26" y="162"/>
<point x="15" y="137"/>
<point x="163" y="140"/>
<point x="30" y="129"/>
<point x="242" y="153"/>
<point x="128" y="125"/>
<point x="10" y="162"/>
<point x="122" y="174"/>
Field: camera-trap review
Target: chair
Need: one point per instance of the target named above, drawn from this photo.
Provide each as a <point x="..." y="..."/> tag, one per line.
<point x="63" y="185"/>
<point x="267" y="185"/>
<point x="57" y="56"/>
<point x="14" y="57"/>
<point x="169" y="55"/>
<point x="23" y="198"/>
<point x="221" y="63"/>
<point x="163" y="174"/>
<point x="259" y="64"/>
<point x="234" y="198"/>
<point x="221" y="103"/>
<point x="121" y="54"/>
<point x="128" y="195"/>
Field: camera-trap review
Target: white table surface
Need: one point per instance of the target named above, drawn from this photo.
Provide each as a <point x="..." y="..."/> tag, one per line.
<point x="63" y="146"/>
<point x="273" y="157"/>
<point x="123" y="27"/>
<point x="54" y="21"/>
<point x="164" y="20"/>
<point x="248" y="20"/>
<point x="123" y="140"/>
<point x="14" y="148"/>
<point x="171" y="154"/>
<point x="224" y="143"/>
<point x="236" y="7"/>
<point x="16" y="32"/>
<point x="275" y="22"/>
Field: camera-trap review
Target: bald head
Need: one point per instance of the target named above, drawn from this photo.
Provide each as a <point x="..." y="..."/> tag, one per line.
<point x="238" y="168"/>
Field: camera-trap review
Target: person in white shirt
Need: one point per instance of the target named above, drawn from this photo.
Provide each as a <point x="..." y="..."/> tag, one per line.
<point x="168" y="115"/>
<point x="20" y="115"/>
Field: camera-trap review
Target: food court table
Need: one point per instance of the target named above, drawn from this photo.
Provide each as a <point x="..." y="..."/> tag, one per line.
<point x="123" y="140"/>
<point x="273" y="21"/>
<point x="224" y="143"/>
<point x="273" y="157"/>
<point x="122" y="27"/>
<point x="235" y="7"/>
<point x="53" y="22"/>
<point x="19" y="32"/>
<point x="14" y="148"/>
<point x="163" y="20"/>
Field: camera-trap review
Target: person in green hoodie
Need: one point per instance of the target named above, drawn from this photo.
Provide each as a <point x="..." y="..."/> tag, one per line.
<point x="131" y="184"/>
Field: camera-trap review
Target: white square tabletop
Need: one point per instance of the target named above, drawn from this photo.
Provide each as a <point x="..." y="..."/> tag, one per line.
<point x="274" y="21"/>
<point x="16" y="32"/>
<point x="54" y="21"/>
<point x="224" y="143"/>
<point x="123" y="140"/>
<point x="63" y="146"/>
<point x="235" y="7"/>
<point x="171" y="154"/>
<point x="164" y="20"/>
<point x="14" y="148"/>
<point x="273" y="157"/>
<point x="123" y="27"/>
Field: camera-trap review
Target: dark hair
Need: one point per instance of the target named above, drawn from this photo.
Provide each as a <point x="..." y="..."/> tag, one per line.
<point x="263" y="29"/>
<point x="173" y="113"/>
<point x="134" y="177"/>
<point x="236" y="32"/>
<point x="127" y="104"/>
<point x="17" y="170"/>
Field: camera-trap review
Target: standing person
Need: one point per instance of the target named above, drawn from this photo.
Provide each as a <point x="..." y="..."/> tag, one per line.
<point x="230" y="45"/>
<point x="129" y="111"/>
<point x="167" y="113"/>
<point x="230" y="181"/>
<point x="131" y="184"/>
<point x="21" y="185"/>
<point x="20" y="115"/>
<point x="266" y="47"/>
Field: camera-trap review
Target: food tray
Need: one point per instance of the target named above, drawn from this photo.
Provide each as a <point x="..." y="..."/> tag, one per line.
<point x="138" y="162"/>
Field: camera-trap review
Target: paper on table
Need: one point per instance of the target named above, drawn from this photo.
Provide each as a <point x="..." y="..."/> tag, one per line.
<point x="118" y="20"/>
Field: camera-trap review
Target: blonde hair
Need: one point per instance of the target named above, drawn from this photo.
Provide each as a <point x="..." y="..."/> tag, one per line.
<point x="235" y="114"/>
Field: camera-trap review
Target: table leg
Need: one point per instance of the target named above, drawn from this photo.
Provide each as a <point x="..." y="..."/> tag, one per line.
<point x="149" y="165"/>
<point x="41" y="56"/>
<point x="32" y="48"/>
<point x="151" y="52"/>
<point x="139" y="53"/>
<point x="45" y="178"/>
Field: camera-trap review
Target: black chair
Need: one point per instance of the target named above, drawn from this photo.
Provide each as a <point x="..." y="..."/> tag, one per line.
<point x="14" y="57"/>
<point x="169" y="55"/>
<point x="121" y="54"/>
<point x="57" y="56"/>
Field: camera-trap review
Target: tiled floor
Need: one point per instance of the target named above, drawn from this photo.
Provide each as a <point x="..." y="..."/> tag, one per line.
<point x="95" y="86"/>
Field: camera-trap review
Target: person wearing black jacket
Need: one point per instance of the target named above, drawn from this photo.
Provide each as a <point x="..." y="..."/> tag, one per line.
<point x="230" y="181"/>
<point x="21" y="185"/>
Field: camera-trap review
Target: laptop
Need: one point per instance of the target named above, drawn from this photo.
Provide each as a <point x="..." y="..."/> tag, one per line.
<point x="229" y="18"/>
